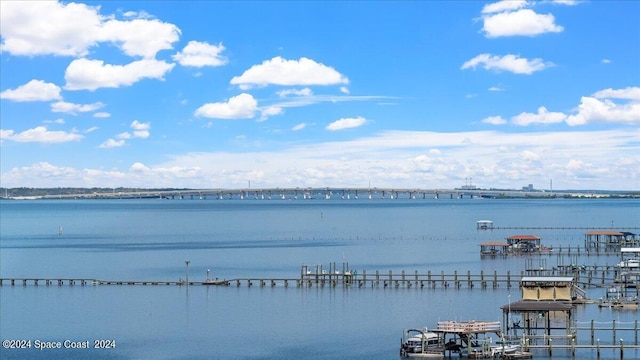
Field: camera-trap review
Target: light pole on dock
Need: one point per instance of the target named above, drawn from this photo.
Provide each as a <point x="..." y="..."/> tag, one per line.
<point x="187" y="270"/>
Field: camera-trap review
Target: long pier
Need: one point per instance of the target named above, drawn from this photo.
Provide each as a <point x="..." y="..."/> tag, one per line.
<point x="429" y="280"/>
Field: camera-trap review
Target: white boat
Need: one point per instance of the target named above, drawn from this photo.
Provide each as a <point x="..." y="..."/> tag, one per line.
<point x="630" y="258"/>
<point x="486" y="350"/>
<point x="621" y="304"/>
<point x="629" y="264"/>
<point x="421" y="344"/>
<point x="504" y="348"/>
<point x="615" y="299"/>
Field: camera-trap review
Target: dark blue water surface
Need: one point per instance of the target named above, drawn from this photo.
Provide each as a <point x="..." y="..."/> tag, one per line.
<point x="151" y="239"/>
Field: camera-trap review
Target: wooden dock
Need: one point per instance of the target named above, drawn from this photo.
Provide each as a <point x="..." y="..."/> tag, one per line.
<point x="432" y="280"/>
<point x="586" y="276"/>
<point x="598" y="348"/>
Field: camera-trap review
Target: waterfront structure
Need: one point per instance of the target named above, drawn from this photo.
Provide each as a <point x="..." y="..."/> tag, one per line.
<point x="545" y="311"/>
<point x="484" y="225"/>
<point x="610" y="239"/>
<point x="493" y="248"/>
<point x="515" y="245"/>
<point x="421" y="344"/>
<point x="547" y="288"/>
<point x="615" y="298"/>
<point x="520" y="244"/>
<point x="471" y="338"/>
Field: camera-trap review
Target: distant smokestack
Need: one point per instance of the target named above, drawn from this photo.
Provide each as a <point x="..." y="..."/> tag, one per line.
<point x="551" y="185"/>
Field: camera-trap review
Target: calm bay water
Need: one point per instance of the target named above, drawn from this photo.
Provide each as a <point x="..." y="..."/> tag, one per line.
<point x="151" y="239"/>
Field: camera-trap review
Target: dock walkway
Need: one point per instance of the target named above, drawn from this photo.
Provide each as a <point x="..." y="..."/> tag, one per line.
<point x="432" y="280"/>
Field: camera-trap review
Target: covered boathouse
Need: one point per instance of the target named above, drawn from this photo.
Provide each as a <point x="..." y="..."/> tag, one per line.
<point x="610" y="239"/>
<point x="515" y="245"/>
<point x="484" y="225"/>
<point x="493" y="248"/>
<point x="545" y="311"/>
<point x="522" y="244"/>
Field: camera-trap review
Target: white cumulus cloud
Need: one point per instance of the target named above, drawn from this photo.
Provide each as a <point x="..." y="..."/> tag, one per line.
<point x="139" y="37"/>
<point x="510" y="62"/>
<point x="601" y="107"/>
<point x="54" y="28"/>
<point x="74" y="109"/>
<point x="504" y="5"/>
<point x="111" y="143"/>
<point x="630" y="93"/>
<point x="346" y="123"/>
<point x="595" y="110"/>
<point x="34" y="90"/>
<point x="242" y="106"/>
<point x="125" y="135"/>
<point x="494" y="120"/>
<point x="299" y="127"/>
<point x="85" y="74"/>
<point x="140" y="130"/>
<point x="522" y="22"/>
<point x="541" y="117"/>
<point x="609" y="106"/>
<point x="270" y="111"/>
<point x="48" y="27"/>
<point x="295" y="92"/>
<point x="199" y="54"/>
<point x="42" y="135"/>
<point x="279" y="71"/>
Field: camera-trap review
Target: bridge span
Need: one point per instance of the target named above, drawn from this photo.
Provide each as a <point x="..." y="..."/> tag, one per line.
<point x="324" y="193"/>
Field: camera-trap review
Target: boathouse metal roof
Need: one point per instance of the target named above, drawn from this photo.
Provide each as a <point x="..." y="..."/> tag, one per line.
<point x="546" y="279"/>
<point x="533" y="306"/>
<point x="604" y="232"/>
<point x="523" y="237"/>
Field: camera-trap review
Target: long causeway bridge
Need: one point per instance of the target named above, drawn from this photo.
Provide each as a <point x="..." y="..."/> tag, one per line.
<point x="326" y="193"/>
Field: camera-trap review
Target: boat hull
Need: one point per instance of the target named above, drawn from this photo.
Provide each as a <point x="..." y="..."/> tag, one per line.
<point x="422" y="355"/>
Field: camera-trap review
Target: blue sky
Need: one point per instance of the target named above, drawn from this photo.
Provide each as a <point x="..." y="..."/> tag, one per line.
<point x="416" y="94"/>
